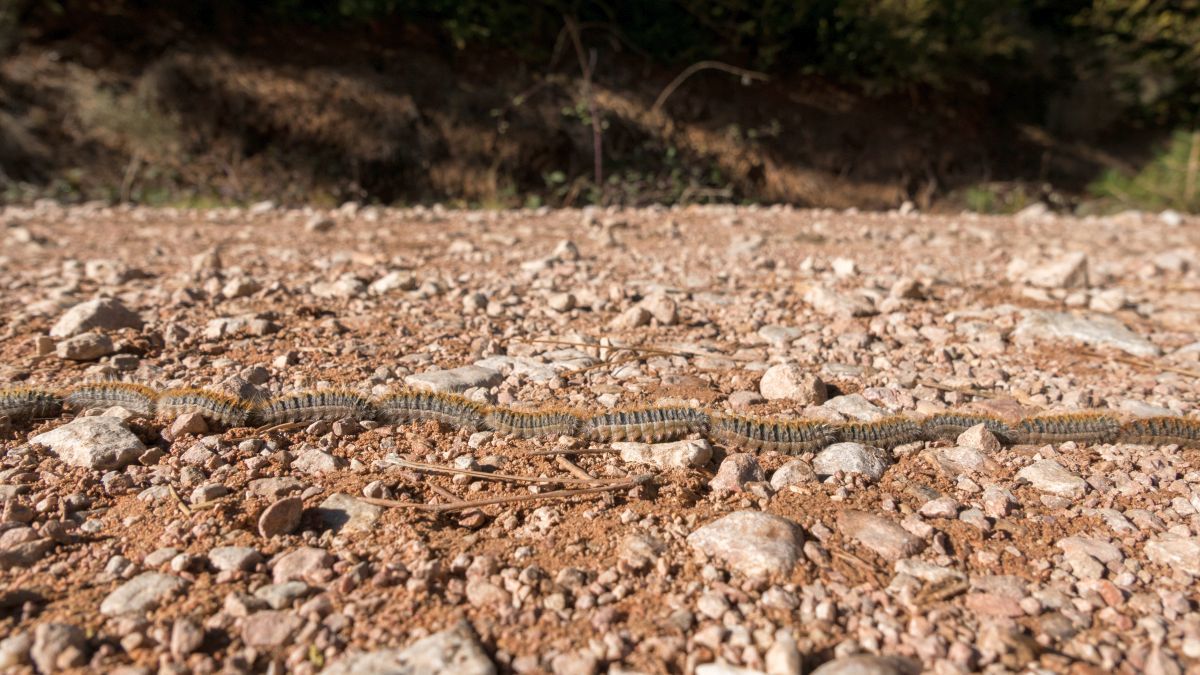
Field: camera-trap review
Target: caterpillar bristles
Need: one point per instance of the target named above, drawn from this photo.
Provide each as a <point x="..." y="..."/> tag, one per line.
<point x="534" y="423"/>
<point x="790" y="437"/>
<point x="886" y="433"/>
<point x="950" y="425"/>
<point x="403" y="407"/>
<point x="650" y="425"/>
<point x="1087" y="427"/>
<point x="137" y="398"/>
<point x="314" y="406"/>
<point x="215" y="407"/>
<point x="25" y="404"/>
<point x="1179" y="431"/>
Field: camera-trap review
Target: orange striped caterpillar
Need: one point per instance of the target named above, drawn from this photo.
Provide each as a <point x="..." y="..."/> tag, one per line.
<point x="218" y="408"/>
<point x="533" y="423"/>
<point x="454" y="411"/>
<point x="1085" y="427"/>
<point x="137" y="398"/>
<point x="21" y="404"/>
<point x="1161" y="431"/>
<point x="886" y="433"/>
<point x="790" y="437"/>
<point x="951" y="425"/>
<point x="313" y="406"/>
<point x="652" y="425"/>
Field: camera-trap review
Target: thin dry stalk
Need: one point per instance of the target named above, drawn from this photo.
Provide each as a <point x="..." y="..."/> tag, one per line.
<point x="501" y="477"/>
<point x="697" y="67"/>
<point x="574" y="468"/>
<point x="518" y="499"/>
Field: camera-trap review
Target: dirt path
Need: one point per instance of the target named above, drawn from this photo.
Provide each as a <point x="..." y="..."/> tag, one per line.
<point x="952" y="557"/>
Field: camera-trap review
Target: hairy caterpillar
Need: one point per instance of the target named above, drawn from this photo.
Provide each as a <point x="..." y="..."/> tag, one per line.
<point x="1161" y="431"/>
<point x="21" y="404"/>
<point x="1085" y="427"/>
<point x="651" y="425"/>
<point x="886" y="433"/>
<point x="415" y="406"/>
<point x="790" y="437"/>
<point x="530" y="424"/>
<point x="951" y="425"/>
<point x="215" y="407"/>
<point x="137" y="398"/>
<point x="312" y="406"/>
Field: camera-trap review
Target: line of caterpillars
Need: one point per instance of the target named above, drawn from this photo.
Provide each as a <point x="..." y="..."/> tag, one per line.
<point x="652" y="425"/>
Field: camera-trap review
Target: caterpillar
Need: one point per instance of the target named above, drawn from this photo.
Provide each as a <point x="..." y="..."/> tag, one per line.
<point x="313" y="406"/>
<point x="21" y="404"/>
<point x="652" y="425"/>
<point x="415" y="406"/>
<point x="1087" y="427"/>
<point x="642" y="424"/>
<point x="1161" y="431"/>
<point x="530" y="424"/>
<point x="951" y="425"/>
<point x="222" y="409"/>
<point x="137" y="398"/>
<point x="790" y="437"/>
<point x="886" y="433"/>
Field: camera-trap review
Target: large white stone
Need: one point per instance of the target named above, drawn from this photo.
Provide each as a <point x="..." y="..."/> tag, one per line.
<point x="93" y="442"/>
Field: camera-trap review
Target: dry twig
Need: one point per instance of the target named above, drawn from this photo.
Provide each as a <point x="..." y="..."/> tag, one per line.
<point x="627" y="484"/>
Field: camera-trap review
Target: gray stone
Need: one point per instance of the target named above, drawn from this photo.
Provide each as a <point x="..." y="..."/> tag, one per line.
<point x="307" y="563"/>
<point x="58" y="646"/>
<point x="958" y="460"/>
<point x="842" y="305"/>
<point x="393" y="281"/>
<point x="281" y="596"/>
<point x="676" y="455"/>
<point x="865" y="664"/>
<point x="788" y="381"/>
<point x="879" y="534"/>
<point x="186" y="637"/>
<point x="319" y="223"/>
<point x="1175" y="551"/>
<point x="346" y="286"/>
<point x="456" y="380"/>
<point x="735" y="472"/>
<point x="23" y="553"/>
<point x="270" y="628"/>
<point x="274" y="488"/>
<point x="661" y="307"/>
<point x="85" y="347"/>
<point x="855" y="406"/>
<point x="634" y="317"/>
<point x="105" y="313"/>
<point x="207" y="493"/>
<point x="779" y="336"/>
<point x="751" y="543"/>
<point x="980" y="438"/>
<point x="281" y="517"/>
<point x="142" y="593"/>
<point x="345" y="514"/>
<point x="850" y="458"/>
<point x="1067" y="271"/>
<point x="14" y="650"/>
<point x="1095" y="331"/>
<point x="794" y="472"/>
<point x="93" y="442"/>
<point x="316" y="462"/>
<point x="234" y="558"/>
<point x="455" y="651"/>
<point x="1050" y="477"/>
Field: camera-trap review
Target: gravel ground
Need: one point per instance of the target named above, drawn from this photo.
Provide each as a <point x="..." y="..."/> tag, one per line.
<point x="128" y="545"/>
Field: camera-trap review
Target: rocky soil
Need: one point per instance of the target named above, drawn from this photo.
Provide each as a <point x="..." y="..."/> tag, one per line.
<point x="136" y="546"/>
